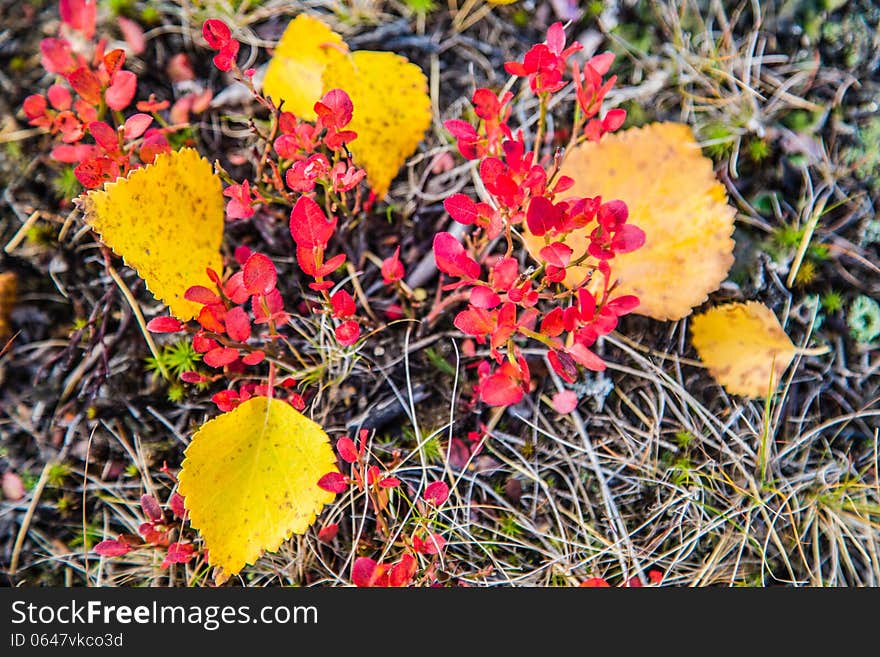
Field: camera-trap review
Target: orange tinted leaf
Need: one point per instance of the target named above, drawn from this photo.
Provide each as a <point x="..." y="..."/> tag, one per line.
<point x="672" y="195"/>
<point x="743" y="346"/>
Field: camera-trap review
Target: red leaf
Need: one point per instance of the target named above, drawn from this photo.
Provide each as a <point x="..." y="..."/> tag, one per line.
<point x="202" y="343"/>
<point x="556" y="254"/>
<point x="133" y="34"/>
<point x="504" y="274"/>
<point x="224" y="59"/>
<point x="484" y="297"/>
<point x="177" y="506"/>
<point x="216" y="33"/>
<point x="552" y="325"/>
<point x="86" y="84"/>
<point x="461" y="208"/>
<point x="333" y="482"/>
<point x="392" y="268"/>
<point x="363" y="571"/>
<point x="34" y="106"/>
<point x="433" y="544"/>
<point x="347" y="450"/>
<point x="57" y="56"/>
<point x="475" y="321"/>
<point x="343" y="305"/>
<point x="500" y="390"/>
<point x="113" y="62"/>
<point x="136" y="125"/>
<point x="179" y="553"/>
<point x="328" y="532"/>
<point x="542" y="215"/>
<point x="96" y="171"/>
<point x="348" y="333"/>
<point x="403" y="571"/>
<point x="79" y="14"/>
<point x="436" y="492"/>
<point x="628" y="239"/>
<point x="259" y="275"/>
<point x="595" y="583"/>
<point x="192" y="377"/>
<point x="623" y="304"/>
<point x="226" y="400"/>
<point x="238" y="324"/>
<point x="335" y="109"/>
<point x="201" y="294"/>
<point x="586" y="358"/>
<point x="59" y="98"/>
<point x="154" y="144"/>
<point x="452" y="259"/>
<point x="105" y="136"/>
<point x="308" y="225"/>
<point x="486" y="103"/>
<point x="211" y="318"/>
<point x="120" y="94"/>
<point x="389" y="482"/>
<point x="220" y="357"/>
<point x="565" y="401"/>
<point x="613" y="120"/>
<point x="164" y="325"/>
<point x="235" y="289"/>
<point x="112" y="548"/>
<point x="254" y="358"/>
<point x="331" y="265"/>
<point x="151" y="508"/>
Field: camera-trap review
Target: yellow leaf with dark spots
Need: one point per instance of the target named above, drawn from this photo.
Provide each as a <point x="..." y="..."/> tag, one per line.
<point x="392" y="110"/>
<point x="166" y="221"/>
<point x="744" y="347"/>
<point x="250" y="480"/>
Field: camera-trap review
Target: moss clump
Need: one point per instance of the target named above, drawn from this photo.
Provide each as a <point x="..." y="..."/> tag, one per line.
<point x="864" y="319"/>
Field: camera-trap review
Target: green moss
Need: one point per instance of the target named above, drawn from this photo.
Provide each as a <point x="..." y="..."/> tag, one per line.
<point x="57" y="473"/>
<point x="758" y="149"/>
<point x="864" y="319"/>
<point x="66" y="185"/>
<point x="718" y="139"/>
<point x="864" y="155"/>
<point x="420" y="6"/>
<point x="120" y="7"/>
<point x="832" y="302"/>
<point x="683" y="439"/>
<point x="176" y="358"/>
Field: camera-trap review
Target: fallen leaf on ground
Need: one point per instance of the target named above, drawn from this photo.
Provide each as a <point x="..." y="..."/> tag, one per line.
<point x="166" y="221"/>
<point x="392" y="108"/>
<point x="250" y="480"/>
<point x="295" y="71"/>
<point x="744" y="347"/>
<point x="673" y="195"/>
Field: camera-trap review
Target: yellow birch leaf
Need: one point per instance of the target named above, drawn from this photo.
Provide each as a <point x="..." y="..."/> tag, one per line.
<point x="166" y="221"/>
<point x="392" y="110"/>
<point x="673" y="195"/>
<point x="296" y="68"/>
<point x="743" y="346"/>
<point x="250" y="480"/>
